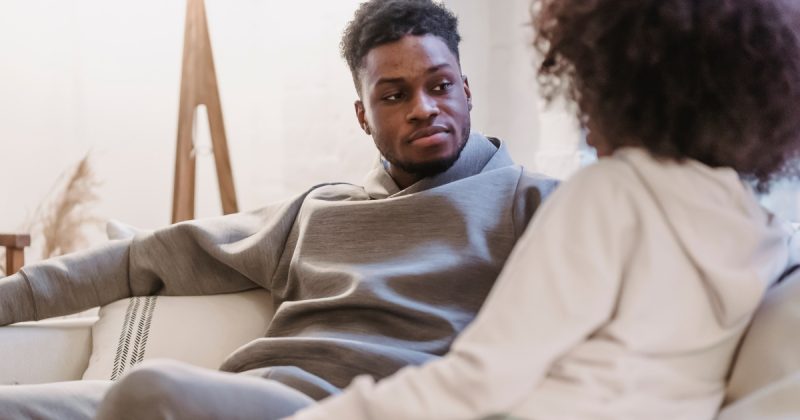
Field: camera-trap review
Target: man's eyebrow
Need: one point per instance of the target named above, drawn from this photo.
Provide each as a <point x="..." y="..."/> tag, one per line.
<point x="389" y="80"/>
<point x="434" y="69"/>
<point x="393" y="80"/>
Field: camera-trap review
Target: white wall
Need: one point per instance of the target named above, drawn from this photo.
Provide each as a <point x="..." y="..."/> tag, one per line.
<point x="499" y="60"/>
<point x="103" y="75"/>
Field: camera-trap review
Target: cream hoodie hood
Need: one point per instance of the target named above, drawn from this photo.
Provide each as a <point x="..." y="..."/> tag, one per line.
<point x="725" y="233"/>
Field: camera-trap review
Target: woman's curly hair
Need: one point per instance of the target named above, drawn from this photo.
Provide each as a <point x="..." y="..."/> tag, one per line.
<point x="713" y="80"/>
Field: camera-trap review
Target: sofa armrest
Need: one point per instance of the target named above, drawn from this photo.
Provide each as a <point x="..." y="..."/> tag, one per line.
<point x="45" y="351"/>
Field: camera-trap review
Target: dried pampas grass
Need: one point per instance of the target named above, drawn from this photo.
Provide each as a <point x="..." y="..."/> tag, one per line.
<point x="60" y="223"/>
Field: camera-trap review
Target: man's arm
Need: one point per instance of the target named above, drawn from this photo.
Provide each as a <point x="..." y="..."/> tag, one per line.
<point x="219" y="255"/>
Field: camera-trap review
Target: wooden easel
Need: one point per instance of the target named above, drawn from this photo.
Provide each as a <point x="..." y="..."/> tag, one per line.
<point x="199" y="87"/>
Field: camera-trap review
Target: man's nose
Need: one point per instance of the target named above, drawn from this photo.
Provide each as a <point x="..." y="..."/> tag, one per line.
<point x="423" y="108"/>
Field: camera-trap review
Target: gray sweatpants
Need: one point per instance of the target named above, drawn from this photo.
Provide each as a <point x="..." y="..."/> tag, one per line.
<point x="158" y="390"/>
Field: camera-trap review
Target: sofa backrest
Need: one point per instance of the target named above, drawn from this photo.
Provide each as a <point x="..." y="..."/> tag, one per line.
<point x="770" y="349"/>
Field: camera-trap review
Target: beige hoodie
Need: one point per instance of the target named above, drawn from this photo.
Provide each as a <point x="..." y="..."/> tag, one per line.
<point x="624" y="299"/>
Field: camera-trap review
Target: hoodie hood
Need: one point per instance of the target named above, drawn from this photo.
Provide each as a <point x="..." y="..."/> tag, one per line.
<point x="727" y="235"/>
<point x="478" y="155"/>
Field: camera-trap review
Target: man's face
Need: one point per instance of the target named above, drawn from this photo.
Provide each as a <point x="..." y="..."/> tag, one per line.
<point x="415" y="103"/>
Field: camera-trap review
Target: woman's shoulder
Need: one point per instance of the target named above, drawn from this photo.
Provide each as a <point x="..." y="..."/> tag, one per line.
<point x="606" y="175"/>
<point x="633" y="168"/>
<point x="628" y="178"/>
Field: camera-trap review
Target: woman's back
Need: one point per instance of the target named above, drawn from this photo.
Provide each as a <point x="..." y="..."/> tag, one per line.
<point x="697" y="253"/>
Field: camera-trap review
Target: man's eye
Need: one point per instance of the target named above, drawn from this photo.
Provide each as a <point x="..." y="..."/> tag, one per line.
<point x="443" y="86"/>
<point x="392" y="97"/>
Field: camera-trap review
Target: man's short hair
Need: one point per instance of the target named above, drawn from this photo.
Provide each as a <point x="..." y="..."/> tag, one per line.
<point x="378" y="22"/>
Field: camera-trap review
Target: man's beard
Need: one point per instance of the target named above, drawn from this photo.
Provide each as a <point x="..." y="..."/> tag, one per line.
<point x="427" y="169"/>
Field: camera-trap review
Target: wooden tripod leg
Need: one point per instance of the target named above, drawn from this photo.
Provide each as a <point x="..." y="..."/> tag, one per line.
<point x="222" y="159"/>
<point x="185" y="168"/>
<point x="199" y="87"/>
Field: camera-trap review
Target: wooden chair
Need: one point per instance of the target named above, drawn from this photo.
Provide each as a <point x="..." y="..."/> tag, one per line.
<point x="15" y="250"/>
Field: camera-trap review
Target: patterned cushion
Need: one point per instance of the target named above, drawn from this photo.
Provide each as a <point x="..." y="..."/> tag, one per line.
<point x="200" y="330"/>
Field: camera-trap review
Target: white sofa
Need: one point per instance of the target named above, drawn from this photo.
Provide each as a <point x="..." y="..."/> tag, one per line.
<point x="765" y="382"/>
<point x="200" y="330"/>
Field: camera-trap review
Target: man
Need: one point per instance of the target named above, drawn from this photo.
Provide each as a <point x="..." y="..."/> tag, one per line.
<point x="369" y="279"/>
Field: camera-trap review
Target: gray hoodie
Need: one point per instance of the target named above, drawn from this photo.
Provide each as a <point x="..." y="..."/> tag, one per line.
<point x="367" y="279"/>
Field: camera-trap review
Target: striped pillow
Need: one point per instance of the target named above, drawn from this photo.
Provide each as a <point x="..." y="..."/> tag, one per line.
<point x="131" y="346"/>
<point x="199" y="330"/>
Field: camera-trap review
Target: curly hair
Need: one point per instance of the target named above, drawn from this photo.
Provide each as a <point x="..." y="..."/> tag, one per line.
<point x="379" y="22"/>
<point x="717" y="81"/>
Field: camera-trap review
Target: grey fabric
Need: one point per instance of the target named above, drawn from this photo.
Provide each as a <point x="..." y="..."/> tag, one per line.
<point x="62" y="400"/>
<point x="167" y="390"/>
<point x="171" y="390"/>
<point x="368" y="279"/>
<point x="294" y="377"/>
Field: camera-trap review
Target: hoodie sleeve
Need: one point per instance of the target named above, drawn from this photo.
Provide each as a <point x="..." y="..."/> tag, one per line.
<point x="559" y="285"/>
<point x="202" y="257"/>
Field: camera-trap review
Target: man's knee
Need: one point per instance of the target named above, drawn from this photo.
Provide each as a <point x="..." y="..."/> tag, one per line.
<point x="154" y="387"/>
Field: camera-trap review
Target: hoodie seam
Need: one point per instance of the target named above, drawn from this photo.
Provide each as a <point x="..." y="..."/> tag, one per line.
<point x="514" y="205"/>
<point x="30" y="292"/>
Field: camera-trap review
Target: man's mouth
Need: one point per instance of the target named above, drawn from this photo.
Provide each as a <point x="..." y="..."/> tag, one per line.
<point x="427" y="134"/>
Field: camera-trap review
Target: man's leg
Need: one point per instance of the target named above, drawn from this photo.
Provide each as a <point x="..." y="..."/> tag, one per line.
<point x="56" y="401"/>
<point x="172" y="390"/>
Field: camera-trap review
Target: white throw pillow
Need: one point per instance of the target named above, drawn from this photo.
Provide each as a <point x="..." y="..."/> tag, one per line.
<point x="770" y="350"/>
<point x="199" y="330"/>
<point x="118" y="230"/>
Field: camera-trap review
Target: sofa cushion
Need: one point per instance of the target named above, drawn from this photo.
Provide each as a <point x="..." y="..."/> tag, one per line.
<point x="770" y="350"/>
<point x="45" y="351"/>
<point x="199" y="330"/>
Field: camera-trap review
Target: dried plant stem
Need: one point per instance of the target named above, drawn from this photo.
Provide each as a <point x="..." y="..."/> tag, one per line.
<point x="61" y="221"/>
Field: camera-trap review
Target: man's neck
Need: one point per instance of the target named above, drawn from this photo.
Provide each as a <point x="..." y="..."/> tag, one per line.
<point x="402" y="178"/>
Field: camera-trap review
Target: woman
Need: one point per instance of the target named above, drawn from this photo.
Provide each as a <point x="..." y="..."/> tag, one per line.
<point x="629" y="292"/>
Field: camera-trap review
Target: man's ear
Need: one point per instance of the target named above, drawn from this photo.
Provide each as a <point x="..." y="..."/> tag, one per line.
<point x="360" y="115"/>
<point x="467" y="91"/>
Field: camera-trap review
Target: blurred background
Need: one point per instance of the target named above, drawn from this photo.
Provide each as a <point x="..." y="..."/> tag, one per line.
<point x="103" y="77"/>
